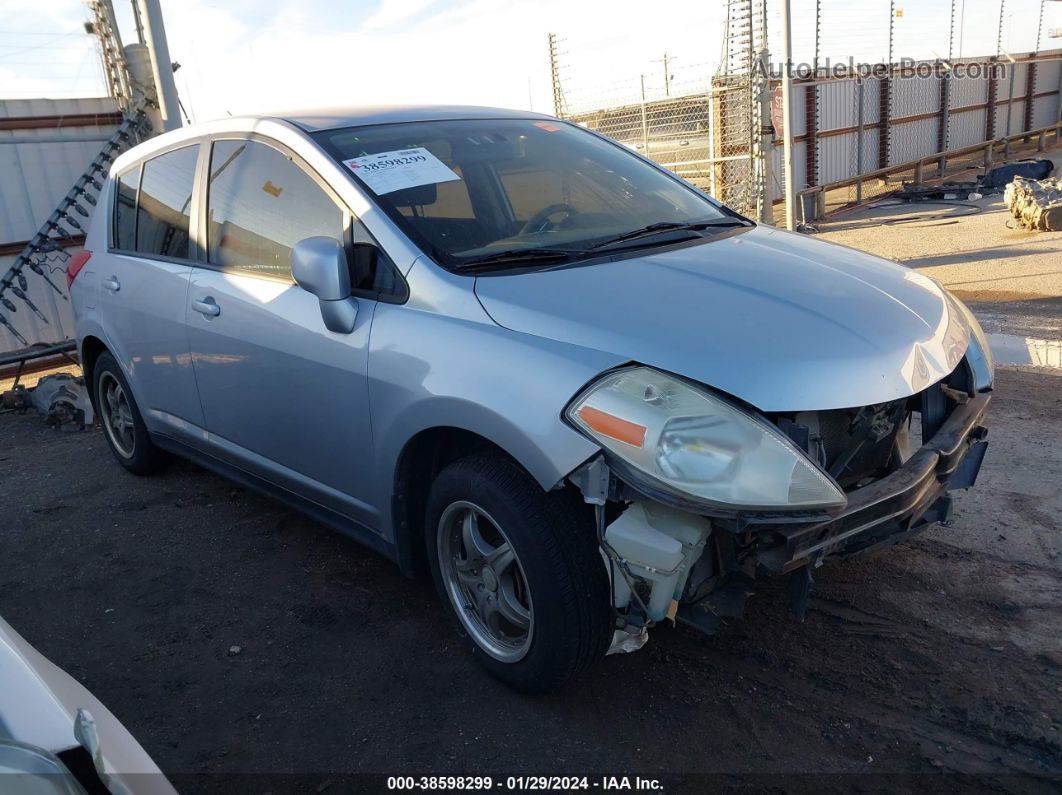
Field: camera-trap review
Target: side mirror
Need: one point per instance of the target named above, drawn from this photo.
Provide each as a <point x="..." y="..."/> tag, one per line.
<point x="319" y="266"/>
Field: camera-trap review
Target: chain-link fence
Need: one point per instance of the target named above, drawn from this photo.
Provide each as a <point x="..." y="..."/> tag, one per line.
<point x="879" y="86"/>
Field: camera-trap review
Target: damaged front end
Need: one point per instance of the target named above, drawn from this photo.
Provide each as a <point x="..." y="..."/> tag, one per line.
<point x="692" y="558"/>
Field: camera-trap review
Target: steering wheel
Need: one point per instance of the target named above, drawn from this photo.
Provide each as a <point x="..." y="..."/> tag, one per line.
<point x="539" y="222"/>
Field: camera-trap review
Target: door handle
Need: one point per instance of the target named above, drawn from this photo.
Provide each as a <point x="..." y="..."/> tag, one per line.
<point x="208" y="306"/>
<point x="112" y="284"/>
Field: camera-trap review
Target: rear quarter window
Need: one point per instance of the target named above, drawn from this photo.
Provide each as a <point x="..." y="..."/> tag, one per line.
<point x="164" y="209"/>
<point x="126" y="187"/>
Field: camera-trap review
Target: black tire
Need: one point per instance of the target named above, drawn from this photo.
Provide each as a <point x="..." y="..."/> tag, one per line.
<point x="557" y="554"/>
<point x="141" y="456"/>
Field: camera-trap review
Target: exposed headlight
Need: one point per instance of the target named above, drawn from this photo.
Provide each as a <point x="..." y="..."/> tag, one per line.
<point x="688" y="441"/>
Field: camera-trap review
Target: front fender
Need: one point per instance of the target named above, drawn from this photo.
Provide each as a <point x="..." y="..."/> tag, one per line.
<point x="429" y="370"/>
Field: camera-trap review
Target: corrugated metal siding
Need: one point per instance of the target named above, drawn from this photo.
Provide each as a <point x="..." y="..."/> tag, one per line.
<point x="837" y="157"/>
<point x="871" y="101"/>
<point x="915" y="95"/>
<point x="800" y="163"/>
<point x="1045" y="111"/>
<point x="837" y="105"/>
<point x="968" y="91"/>
<point x="967" y="128"/>
<point x="913" y="140"/>
<point x="800" y="122"/>
<point x="34" y="177"/>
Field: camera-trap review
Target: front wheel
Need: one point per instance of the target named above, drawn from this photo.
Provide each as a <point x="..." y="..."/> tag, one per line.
<point x="519" y="572"/>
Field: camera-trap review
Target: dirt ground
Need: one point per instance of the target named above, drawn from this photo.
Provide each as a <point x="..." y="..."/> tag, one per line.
<point x="936" y="664"/>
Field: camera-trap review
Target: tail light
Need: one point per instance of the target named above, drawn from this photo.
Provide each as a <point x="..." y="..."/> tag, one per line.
<point x="77" y="262"/>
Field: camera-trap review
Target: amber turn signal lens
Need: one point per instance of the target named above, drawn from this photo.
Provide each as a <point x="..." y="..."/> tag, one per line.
<point x="612" y="426"/>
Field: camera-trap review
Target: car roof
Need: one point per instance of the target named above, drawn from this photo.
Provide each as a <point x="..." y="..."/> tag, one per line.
<point x="315" y="119"/>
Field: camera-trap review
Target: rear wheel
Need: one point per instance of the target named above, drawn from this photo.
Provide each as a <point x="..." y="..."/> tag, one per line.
<point x="519" y="572"/>
<point x="120" y="418"/>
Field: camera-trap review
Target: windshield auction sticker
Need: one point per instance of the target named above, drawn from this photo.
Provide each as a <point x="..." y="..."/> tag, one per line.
<point x="387" y="172"/>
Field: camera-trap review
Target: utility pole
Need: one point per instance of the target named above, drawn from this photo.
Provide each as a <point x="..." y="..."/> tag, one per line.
<point x="554" y="68"/>
<point x="115" y="69"/>
<point x="787" y="116"/>
<point x="138" y="22"/>
<point x="667" y="59"/>
<point x="150" y="13"/>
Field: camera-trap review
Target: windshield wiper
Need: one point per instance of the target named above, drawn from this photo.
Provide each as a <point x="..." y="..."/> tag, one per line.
<point x="518" y="256"/>
<point x="669" y="226"/>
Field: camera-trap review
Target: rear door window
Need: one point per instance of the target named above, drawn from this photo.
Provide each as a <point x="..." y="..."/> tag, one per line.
<point x="165" y="205"/>
<point x="260" y="203"/>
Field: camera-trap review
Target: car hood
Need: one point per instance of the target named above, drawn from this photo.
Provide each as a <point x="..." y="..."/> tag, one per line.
<point x="777" y="319"/>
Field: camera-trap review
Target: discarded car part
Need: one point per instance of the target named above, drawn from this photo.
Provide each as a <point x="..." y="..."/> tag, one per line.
<point x="1036" y="204"/>
<point x="16" y="399"/>
<point x="63" y="400"/>
<point x="943" y="191"/>
<point x="1031" y="169"/>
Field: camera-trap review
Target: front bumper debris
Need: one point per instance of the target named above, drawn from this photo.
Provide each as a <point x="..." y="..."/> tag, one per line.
<point x="897" y="506"/>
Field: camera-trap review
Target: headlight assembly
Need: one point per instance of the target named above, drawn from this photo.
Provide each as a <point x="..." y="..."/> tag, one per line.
<point x="683" y="439"/>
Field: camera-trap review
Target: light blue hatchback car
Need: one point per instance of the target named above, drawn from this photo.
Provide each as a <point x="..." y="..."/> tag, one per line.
<point x="504" y="348"/>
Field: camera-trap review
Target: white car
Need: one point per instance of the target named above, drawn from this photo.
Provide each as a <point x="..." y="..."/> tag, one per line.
<point x="56" y="737"/>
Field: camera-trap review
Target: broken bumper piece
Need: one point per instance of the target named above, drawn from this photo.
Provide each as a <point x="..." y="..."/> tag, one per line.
<point x="895" y="507"/>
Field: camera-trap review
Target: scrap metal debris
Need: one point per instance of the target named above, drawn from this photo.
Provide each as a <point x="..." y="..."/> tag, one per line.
<point x="61" y="398"/>
<point x="999" y="178"/>
<point x="1035" y="204"/>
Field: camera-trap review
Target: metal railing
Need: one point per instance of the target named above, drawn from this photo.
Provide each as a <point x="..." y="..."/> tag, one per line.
<point x="936" y="166"/>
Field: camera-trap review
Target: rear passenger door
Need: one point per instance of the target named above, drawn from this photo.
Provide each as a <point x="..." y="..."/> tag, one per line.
<point x="283" y="397"/>
<point x="143" y="289"/>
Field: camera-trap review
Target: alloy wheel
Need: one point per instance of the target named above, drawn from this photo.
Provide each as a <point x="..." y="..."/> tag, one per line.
<point x="116" y="415"/>
<point x="485" y="581"/>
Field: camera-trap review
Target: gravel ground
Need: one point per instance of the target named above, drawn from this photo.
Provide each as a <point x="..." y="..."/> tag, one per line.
<point x="973" y="248"/>
<point x="936" y="664"/>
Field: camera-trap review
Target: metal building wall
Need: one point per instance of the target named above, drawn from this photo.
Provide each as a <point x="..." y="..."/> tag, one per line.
<point x="45" y="144"/>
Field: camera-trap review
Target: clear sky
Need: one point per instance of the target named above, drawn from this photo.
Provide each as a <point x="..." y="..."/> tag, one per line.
<point x="243" y="55"/>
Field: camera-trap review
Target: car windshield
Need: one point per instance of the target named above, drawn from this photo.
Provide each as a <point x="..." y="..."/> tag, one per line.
<point x="517" y="191"/>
